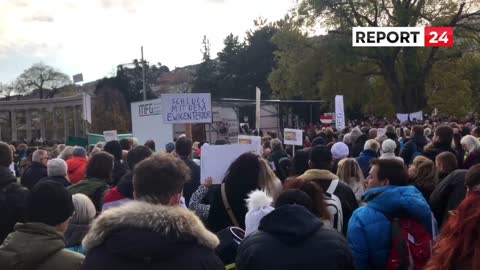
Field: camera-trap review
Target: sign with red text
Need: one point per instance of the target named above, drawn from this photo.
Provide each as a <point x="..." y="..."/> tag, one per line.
<point x="402" y="37"/>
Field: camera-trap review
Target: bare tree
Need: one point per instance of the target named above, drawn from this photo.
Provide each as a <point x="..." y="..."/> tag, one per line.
<point x="41" y="77"/>
<point x="6" y="90"/>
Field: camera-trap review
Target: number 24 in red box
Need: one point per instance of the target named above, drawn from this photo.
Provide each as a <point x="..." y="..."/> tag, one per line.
<point x="439" y="37"/>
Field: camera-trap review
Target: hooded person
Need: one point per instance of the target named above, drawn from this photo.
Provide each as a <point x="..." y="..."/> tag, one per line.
<point x="77" y="165"/>
<point x="290" y="237"/>
<point x="38" y="244"/>
<point x="153" y="232"/>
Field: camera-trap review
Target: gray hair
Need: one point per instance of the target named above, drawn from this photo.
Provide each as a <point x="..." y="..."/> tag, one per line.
<point x="84" y="209"/>
<point x="38" y="155"/>
<point x="79" y="152"/>
<point x="57" y="167"/>
<point x="66" y="153"/>
<point x="372" y="145"/>
<point x="471" y="143"/>
<point x="276" y="145"/>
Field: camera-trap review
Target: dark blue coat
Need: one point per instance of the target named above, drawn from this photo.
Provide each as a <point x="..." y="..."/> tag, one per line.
<point x="364" y="161"/>
<point x="369" y="230"/>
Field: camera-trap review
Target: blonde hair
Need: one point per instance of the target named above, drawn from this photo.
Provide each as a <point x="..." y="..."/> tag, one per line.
<point x="472" y="144"/>
<point x="66" y="153"/>
<point x="349" y="171"/>
<point x="268" y="180"/>
<point x="84" y="209"/>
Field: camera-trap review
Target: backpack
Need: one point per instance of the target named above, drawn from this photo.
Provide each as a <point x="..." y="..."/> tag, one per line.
<point x="334" y="206"/>
<point x="411" y="245"/>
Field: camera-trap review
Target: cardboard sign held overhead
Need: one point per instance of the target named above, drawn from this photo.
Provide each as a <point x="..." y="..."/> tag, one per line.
<point x="110" y="135"/>
<point x="187" y="108"/>
<point x="293" y="136"/>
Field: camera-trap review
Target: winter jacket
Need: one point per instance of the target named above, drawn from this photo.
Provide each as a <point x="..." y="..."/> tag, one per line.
<point x="415" y="144"/>
<point x="275" y="158"/>
<point x="33" y="174"/>
<point x="13" y="199"/>
<point x="74" y="236"/>
<point x="218" y="218"/>
<point x="202" y="210"/>
<point x="77" y="169"/>
<point x="94" y="188"/>
<point x="119" y="170"/>
<point x="140" y="236"/>
<point x="448" y="194"/>
<point x="113" y="198"/>
<point x="391" y="156"/>
<point x="59" y="179"/>
<point x="369" y="230"/>
<point x="191" y="186"/>
<point x="291" y="237"/>
<point x="433" y="150"/>
<point x="37" y="246"/>
<point x="358" y="145"/>
<point x="472" y="159"/>
<point x="364" y="161"/>
<point x="343" y="192"/>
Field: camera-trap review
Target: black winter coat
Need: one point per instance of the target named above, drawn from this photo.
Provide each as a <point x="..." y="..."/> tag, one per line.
<point x="140" y="236"/>
<point x="13" y="199"/>
<point x="447" y="195"/>
<point x="275" y="158"/>
<point x="119" y="170"/>
<point x="59" y="179"/>
<point x="416" y="142"/>
<point x="191" y="186"/>
<point x="218" y="218"/>
<point x="33" y="174"/>
<point x="291" y="237"/>
<point x="433" y="150"/>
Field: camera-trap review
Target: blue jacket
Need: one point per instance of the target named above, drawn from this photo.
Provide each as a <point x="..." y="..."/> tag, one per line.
<point x="369" y="230"/>
<point x="364" y="160"/>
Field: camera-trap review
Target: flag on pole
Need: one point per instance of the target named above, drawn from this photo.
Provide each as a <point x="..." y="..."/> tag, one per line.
<point x="257" y="110"/>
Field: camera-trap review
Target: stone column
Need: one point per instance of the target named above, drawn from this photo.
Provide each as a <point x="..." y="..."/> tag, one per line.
<point x="14" y="125"/>
<point x="42" y="116"/>
<point x="65" y="123"/>
<point x="75" y="121"/>
<point x="28" y="124"/>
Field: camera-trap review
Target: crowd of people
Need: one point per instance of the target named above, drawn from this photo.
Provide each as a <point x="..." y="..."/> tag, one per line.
<point x="366" y="197"/>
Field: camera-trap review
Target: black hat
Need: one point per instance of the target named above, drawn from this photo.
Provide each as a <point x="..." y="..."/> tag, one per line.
<point x="320" y="154"/>
<point x="50" y="203"/>
<point x="318" y="141"/>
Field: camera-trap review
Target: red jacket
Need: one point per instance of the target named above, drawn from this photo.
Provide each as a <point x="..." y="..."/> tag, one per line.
<point x="77" y="169"/>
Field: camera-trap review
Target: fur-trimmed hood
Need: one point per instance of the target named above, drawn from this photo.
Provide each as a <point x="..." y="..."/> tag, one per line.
<point x="140" y="228"/>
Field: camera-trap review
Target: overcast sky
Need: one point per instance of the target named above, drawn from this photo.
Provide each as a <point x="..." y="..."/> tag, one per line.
<point x="94" y="36"/>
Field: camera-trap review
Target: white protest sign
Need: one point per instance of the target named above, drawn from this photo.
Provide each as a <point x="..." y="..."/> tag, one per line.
<point x="110" y="135"/>
<point x="293" y="136"/>
<point x="254" y="140"/>
<point x="147" y="123"/>
<point x="217" y="158"/>
<point x="339" y="112"/>
<point x="187" y="108"/>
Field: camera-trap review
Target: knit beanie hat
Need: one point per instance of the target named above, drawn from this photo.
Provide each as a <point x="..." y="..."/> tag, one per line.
<point x="259" y="205"/>
<point x="79" y="152"/>
<point x="389" y="146"/>
<point x="318" y="141"/>
<point x="339" y="151"/>
<point x="50" y="203"/>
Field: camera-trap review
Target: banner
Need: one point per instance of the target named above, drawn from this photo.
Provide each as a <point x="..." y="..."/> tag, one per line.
<point x="110" y="135"/>
<point x="147" y="123"/>
<point x="187" y="108"/>
<point x="293" y="136"/>
<point x="402" y="117"/>
<point x="257" y="110"/>
<point x="339" y="113"/>
<point x="216" y="159"/>
<point x="416" y="116"/>
<point x="87" y="108"/>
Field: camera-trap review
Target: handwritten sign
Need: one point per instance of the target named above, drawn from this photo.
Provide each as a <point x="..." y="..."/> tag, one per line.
<point x="293" y="136"/>
<point x="187" y="108"/>
<point x="110" y="135"/>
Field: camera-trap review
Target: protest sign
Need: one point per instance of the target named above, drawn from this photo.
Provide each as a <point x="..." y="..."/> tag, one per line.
<point x="110" y="135"/>
<point x="339" y="112"/>
<point x="147" y="123"/>
<point x="254" y="140"/>
<point x="293" y="136"/>
<point x="217" y="158"/>
<point x="187" y="108"/>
